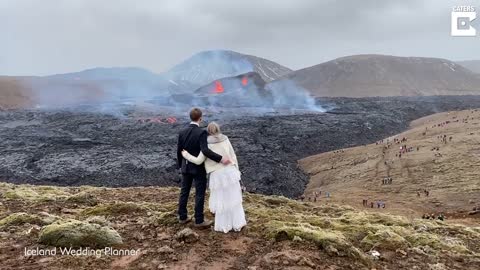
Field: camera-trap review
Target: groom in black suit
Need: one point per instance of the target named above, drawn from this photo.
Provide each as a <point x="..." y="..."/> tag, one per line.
<point x="194" y="139"/>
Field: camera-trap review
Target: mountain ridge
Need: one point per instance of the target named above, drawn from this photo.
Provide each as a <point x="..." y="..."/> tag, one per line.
<point x="207" y="66"/>
<point x="473" y="65"/>
<point x="369" y="75"/>
<point x="364" y="75"/>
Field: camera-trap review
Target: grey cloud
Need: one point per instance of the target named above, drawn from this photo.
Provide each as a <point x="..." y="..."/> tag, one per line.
<point x="53" y="36"/>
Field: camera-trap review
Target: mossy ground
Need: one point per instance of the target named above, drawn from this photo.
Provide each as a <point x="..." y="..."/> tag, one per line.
<point x="74" y="233"/>
<point x="21" y="218"/>
<point x="28" y="193"/>
<point x="349" y="228"/>
<point x="145" y="218"/>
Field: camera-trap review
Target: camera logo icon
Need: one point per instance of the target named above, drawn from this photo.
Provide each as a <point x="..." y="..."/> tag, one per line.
<point x="462" y="18"/>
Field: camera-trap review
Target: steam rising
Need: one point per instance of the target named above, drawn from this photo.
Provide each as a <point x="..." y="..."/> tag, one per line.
<point x="290" y="95"/>
<point x="214" y="79"/>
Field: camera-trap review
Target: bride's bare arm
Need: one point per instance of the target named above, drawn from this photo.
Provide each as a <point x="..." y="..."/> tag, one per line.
<point x="197" y="160"/>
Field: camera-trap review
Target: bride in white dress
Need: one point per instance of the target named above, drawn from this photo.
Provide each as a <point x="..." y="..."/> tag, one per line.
<point x="225" y="190"/>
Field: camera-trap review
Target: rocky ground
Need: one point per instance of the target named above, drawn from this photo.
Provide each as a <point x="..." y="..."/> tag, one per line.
<point x="75" y="147"/>
<point x="446" y="169"/>
<point x="281" y="234"/>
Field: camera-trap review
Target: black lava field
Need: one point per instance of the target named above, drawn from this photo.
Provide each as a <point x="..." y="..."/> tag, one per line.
<point x="77" y="147"/>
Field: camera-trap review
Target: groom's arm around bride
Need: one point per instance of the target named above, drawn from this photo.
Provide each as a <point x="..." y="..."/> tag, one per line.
<point x="194" y="140"/>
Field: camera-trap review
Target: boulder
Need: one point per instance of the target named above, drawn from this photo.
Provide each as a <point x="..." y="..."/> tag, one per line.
<point x="74" y="233"/>
<point x="186" y="235"/>
<point x="165" y="249"/>
<point x="83" y="198"/>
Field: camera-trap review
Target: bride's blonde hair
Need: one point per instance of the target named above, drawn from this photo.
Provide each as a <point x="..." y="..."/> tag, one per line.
<point x="213" y="128"/>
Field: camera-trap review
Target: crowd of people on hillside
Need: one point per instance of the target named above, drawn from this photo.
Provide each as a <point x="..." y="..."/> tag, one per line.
<point x="315" y="196"/>
<point x="433" y="216"/>
<point x="404" y="148"/>
<point x="377" y="204"/>
<point x="425" y="192"/>
<point x="443" y="124"/>
<point x="444" y="139"/>
<point x="387" y="181"/>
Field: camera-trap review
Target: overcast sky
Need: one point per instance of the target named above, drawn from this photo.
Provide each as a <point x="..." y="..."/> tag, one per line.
<point x="57" y="36"/>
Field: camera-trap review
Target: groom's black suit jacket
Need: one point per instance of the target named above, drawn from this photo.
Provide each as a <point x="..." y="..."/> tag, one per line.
<point x="194" y="139"/>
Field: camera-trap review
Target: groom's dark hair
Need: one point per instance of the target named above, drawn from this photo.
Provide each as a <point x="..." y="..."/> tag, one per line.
<point x="195" y="114"/>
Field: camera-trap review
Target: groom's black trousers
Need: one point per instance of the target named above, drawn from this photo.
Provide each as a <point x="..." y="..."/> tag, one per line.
<point x="200" y="188"/>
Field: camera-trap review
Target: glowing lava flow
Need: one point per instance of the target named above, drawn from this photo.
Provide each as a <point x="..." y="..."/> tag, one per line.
<point x="244" y="81"/>
<point x="158" y="120"/>
<point x="171" y="120"/>
<point x="219" y="87"/>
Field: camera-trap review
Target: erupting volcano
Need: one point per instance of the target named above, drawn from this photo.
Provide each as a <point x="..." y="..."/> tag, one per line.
<point x="219" y="87"/>
<point x="244" y="81"/>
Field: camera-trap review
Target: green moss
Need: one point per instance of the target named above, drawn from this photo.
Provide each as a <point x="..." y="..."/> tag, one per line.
<point x="473" y="231"/>
<point x="276" y="200"/>
<point x="438" y="243"/>
<point x="354" y="232"/>
<point x="384" y="239"/>
<point x="16" y="219"/>
<point x="100" y="220"/>
<point x="164" y="207"/>
<point x="362" y="218"/>
<point x="318" y="221"/>
<point x="333" y="242"/>
<point x="165" y="218"/>
<point x="35" y="193"/>
<point x="344" y="229"/>
<point x="282" y="230"/>
<point x="332" y="210"/>
<point x="74" y="233"/>
<point x="20" y="194"/>
<point x="114" y="209"/>
<point x="424" y="239"/>
<point x="83" y="197"/>
<point x="49" y="218"/>
<point x="455" y="245"/>
<point x="338" y="230"/>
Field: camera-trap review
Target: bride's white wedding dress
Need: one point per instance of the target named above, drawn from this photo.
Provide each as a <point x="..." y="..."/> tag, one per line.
<point x="225" y="190"/>
<point x="226" y="199"/>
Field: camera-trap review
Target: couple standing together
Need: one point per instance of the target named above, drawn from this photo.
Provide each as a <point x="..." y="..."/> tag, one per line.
<point x="199" y="153"/>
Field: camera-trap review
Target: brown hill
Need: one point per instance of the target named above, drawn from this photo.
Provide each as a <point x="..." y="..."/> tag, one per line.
<point x="27" y="92"/>
<point x="473" y="65"/>
<point x="13" y="93"/>
<point x="383" y="75"/>
<point x="450" y="174"/>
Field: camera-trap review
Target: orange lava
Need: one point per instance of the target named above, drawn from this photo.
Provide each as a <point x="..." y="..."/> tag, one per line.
<point x="158" y="120"/>
<point x="244" y="81"/>
<point x="219" y="87"/>
<point x="171" y="120"/>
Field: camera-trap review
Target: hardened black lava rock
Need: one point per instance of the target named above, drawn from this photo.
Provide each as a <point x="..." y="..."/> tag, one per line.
<point x="69" y="147"/>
